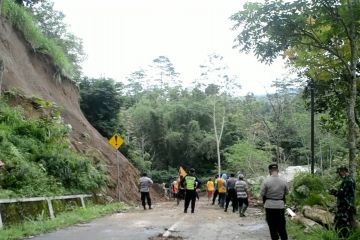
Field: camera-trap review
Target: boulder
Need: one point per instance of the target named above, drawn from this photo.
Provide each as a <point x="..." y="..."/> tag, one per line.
<point x="318" y="215"/>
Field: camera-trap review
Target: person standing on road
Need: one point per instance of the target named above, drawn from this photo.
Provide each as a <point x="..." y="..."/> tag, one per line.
<point x="273" y="192"/>
<point x="216" y="193"/>
<point x="231" y="193"/>
<point x="174" y="189"/>
<point x="181" y="190"/>
<point x="221" y="182"/>
<point x="346" y="210"/>
<point x="190" y="183"/>
<point x="145" y="184"/>
<point x="210" y="189"/>
<point x="242" y="193"/>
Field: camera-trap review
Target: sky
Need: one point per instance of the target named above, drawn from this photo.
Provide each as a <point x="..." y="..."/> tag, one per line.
<point x="122" y="36"/>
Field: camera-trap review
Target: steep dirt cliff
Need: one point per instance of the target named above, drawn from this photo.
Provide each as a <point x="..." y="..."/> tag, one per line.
<point x="33" y="74"/>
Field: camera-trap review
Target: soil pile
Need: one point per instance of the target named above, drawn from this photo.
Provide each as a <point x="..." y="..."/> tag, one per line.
<point x="33" y="74"/>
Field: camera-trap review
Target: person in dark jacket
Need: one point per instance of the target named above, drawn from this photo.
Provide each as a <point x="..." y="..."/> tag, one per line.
<point x="216" y="193"/>
<point x="231" y="193"/>
<point x="346" y="210"/>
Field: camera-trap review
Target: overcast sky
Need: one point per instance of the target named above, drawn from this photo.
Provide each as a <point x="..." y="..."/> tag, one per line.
<point x="121" y="36"/>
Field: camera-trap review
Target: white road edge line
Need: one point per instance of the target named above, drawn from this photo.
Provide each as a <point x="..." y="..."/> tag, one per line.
<point x="172" y="228"/>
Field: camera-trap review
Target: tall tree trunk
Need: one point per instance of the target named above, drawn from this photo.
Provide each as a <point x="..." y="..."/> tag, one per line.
<point x="218" y="136"/>
<point x="352" y="125"/>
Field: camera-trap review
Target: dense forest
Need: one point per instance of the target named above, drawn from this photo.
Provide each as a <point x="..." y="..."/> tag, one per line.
<point x="167" y="125"/>
<point x="207" y="123"/>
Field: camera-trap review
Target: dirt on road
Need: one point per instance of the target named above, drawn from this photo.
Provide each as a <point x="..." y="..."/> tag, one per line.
<point x="168" y="221"/>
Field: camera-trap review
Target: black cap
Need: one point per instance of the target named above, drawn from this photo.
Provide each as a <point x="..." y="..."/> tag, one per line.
<point x="342" y="169"/>
<point x="192" y="170"/>
<point x="273" y="166"/>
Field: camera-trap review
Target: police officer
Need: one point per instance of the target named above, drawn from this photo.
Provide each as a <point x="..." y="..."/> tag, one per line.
<point x="346" y="210"/>
<point x="231" y="193"/>
<point x="242" y="195"/>
<point x="273" y="192"/>
<point x="145" y="184"/>
<point x="190" y="183"/>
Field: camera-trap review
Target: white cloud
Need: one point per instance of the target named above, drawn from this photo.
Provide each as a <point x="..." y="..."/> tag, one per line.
<point x="120" y="36"/>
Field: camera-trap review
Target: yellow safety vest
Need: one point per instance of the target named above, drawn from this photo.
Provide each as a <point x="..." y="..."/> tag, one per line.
<point x="190" y="182"/>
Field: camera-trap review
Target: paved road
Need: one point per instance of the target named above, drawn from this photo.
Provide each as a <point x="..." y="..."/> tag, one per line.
<point x="166" y="219"/>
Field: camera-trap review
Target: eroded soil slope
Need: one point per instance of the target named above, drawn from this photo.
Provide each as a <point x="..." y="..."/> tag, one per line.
<point x="33" y="74"/>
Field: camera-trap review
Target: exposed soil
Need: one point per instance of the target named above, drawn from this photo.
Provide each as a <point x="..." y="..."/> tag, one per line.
<point x="33" y="74"/>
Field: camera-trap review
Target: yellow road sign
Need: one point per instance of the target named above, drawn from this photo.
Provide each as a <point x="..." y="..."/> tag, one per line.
<point x="116" y="141"/>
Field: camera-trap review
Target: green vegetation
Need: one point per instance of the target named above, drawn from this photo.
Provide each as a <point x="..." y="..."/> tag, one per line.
<point x="310" y="190"/>
<point x="104" y="96"/>
<point x="38" y="156"/>
<point x="40" y="225"/>
<point x="171" y="126"/>
<point x="25" y="22"/>
<point x="298" y="232"/>
<point x="320" y="40"/>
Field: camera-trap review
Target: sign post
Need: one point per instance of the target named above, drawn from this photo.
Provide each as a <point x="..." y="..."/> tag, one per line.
<point x="116" y="141"/>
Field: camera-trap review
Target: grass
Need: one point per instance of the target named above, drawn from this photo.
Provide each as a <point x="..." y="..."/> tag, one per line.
<point x="296" y="232"/>
<point x="81" y="215"/>
<point x="24" y="21"/>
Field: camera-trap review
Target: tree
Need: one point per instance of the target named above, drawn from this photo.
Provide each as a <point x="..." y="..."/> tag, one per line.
<point x="246" y="157"/>
<point x="219" y="86"/>
<point x="328" y="29"/>
<point x="52" y="24"/>
<point x="101" y="102"/>
<point x="28" y="3"/>
<point x="136" y="81"/>
<point x="162" y="73"/>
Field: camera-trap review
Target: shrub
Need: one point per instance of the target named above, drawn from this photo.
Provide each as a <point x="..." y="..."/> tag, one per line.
<point x="39" y="159"/>
<point x="310" y="190"/>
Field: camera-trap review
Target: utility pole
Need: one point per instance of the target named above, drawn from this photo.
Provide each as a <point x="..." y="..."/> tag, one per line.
<point x="2" y="67"/>
<point x="312" y="103"/>
<point x="1" y="3"/>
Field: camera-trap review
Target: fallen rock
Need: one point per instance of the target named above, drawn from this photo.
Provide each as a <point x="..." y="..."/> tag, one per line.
<point x="318" y="215"/>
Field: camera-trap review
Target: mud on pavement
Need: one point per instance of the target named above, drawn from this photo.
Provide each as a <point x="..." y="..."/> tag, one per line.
<point x="168" y="221"/>
<point x="161" y="237"/>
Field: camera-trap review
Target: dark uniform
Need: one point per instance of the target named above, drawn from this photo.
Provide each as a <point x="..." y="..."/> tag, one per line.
<point x="216" y="193"/>
<point x="190" y="183"/>
<point x="346" y="210"/>
<point x="231" y="193"/>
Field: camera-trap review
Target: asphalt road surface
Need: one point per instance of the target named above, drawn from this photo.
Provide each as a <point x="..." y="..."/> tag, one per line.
<point x="168" y="221"/>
